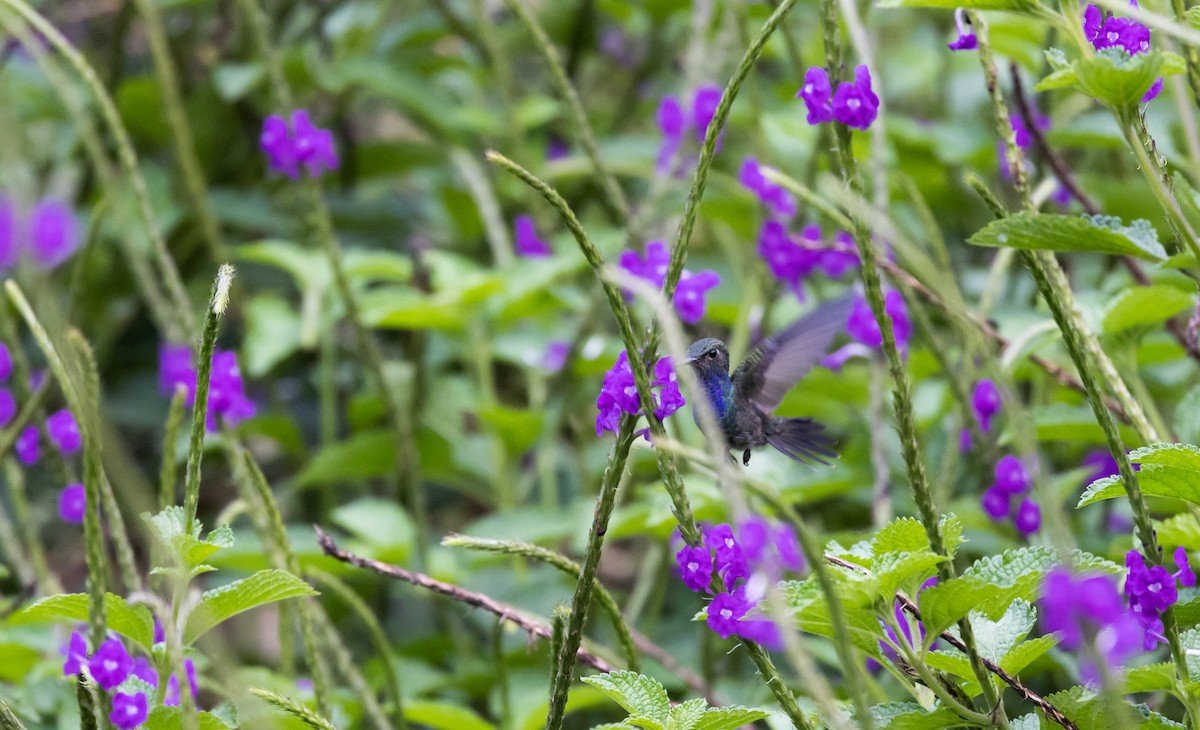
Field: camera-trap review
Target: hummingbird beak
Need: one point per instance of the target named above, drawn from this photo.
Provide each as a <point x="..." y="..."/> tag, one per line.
<point x="689" y="361"/>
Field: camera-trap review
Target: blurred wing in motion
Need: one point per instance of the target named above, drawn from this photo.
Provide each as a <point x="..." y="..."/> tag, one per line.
<point x="781" y="360"/>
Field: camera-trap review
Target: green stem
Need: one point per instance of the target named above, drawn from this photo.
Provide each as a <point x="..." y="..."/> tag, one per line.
<point x="181" y="130"/>
<point x="166" y="472"/>
<point x="208" y="341"/>
<point x="608" y="182"/>
<point x="1155" y="171"/>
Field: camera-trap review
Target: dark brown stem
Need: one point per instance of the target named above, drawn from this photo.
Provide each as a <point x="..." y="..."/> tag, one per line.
<point x="462" y="595"/>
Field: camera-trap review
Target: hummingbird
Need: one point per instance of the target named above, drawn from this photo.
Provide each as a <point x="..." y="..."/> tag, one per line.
<point x="743" y="402"/>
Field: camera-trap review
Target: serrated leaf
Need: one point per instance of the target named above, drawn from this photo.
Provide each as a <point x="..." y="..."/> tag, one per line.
<point x="1049" y="232"/>
<point x="1026" y="722"/>
<point x="183" y="541"/>
<point x="685" y="715"/>
<point x="1115" y="78"/>
<point x="1167" y="470"/>
<point x="133" y="621"/>
<point x="1150" y="678"/>
<point x="894" y="570"/>
<point x="995" y="639"/>
<point x="1102" y="712"/>
<point x="219" y="604"/>
<point x="728" y="718"/>
<point x="171" y="718"/>
<point x="639" y="695"/>
<point x="1023" y="654"/>
<point x="911" y="716"/>
<point x="1144" y="306"/>
<point x="902" y="535"/>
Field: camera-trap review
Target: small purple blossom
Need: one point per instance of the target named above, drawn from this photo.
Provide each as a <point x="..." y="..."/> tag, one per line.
<point x="841" y="258"/>
<point x="28" y="446"/>
<point x="668" y="397"/>
<point x="526" y="241"/>
<point x="786" y="260"/>
<point x="863" y="327"/>
<point x="555" y="356"/>
<point x="72" y="503"/>
<point x="985" y="402"/>
<point x="725" y="612"/>
<point x="1151" y="588"/>
<point x="618" y="393"/>
<point x="652" y="267"/>
<point x="1011" y="476"/>
<point x="1153" y="92"/>
<point x="76" y="651"/>
<point x="817" y="95"/>
<point x="689" y="297"/>
<point x="704" y="107"/>
<point x="1088" y="608"/>
<point x="175" y="368"/>
<point x="1028" y="518"/>
<point x="997" y="503"/>
<point x="695" y="566"/>
<point x="1103" y="465"/>
<point x="64" y="432"/>
<point x="8" y="407"/>
<point x="111" y="664"/>
<point x="226" y="392"/>
<point x="966" y="40"/>
<point x="10" y="249"/>
<point x="778" y="200"/>
<point x="171" y="697"/>
<point x="1123" y="33"/>
<point x="128" y="710"/>
<point x="53" y="233"/>
<point x="855" y="104"/>
<point x="6" y="362"/>
<point x="1184" y="575"/>
<point x="673" y="125"/>
<point x="289" y="146"/>
<point x="144" y="670"/>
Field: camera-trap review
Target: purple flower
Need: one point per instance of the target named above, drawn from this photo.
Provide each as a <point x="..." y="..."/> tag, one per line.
<point x="817" y="95"/>
<point x="10" y="249"/>
<point x="1011" y="476"/>
<point x="1150" y="588"/>
<point x="761" y="631"/>
<point x="724" y="613"/>
<point x="53" y="233"/>
<point x="111" y="664"/>
<point x="787" y="546"/>
<point x="77" y="654"/>
<point x="1092" y="20"/>
<point x="673" y="126"/>
<point x="966" y="37"/>
<point x="27" y="447"/>
<point x="171" y="696"/>
<point x="6" y="363"/>
<point x="690" y="293"/>
<point x="128" y="710"/>
<point x="175" y="368"/>
<point x="72" y="502"/>
<point x="1028" y="518"/>
<point x="964" y="440"/>
<point x="854" y="104"/>
<point x="556" y="149"/>
<point x="1154" y="90"/>
<point x="997" y="503"/>
<point x="1103" y="465"/>
<point x="301" y="143"/>
<point x="526" y="241"/>
<point x="731" y="562"/>
<point x="695" y="566"/>
<point x="144" y="670"/>
<point x="159" y="635"/>
<point x="787" y="261"/>
<point x="985" y="401"/>
<point x="1071" y="606"/>
<point x="778" y="201"/>
<point x="704" y="107"/>
<point x="555" y="356"/>
<point x="1184" y="575"/>
<point x="1124" y="33"/>
<point x="226" y="392"/>
<point x="769" y="546"/>
<point x="841" y="258"/>
<point x="863" y="327"/>
<point x="8" y="407"/>
<point x="618" y="394"/>
<point x="652" y="268"/>
<point x="64" y="432"/>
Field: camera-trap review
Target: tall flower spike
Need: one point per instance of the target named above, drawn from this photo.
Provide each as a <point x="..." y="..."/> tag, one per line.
<point x="966" y="40"/>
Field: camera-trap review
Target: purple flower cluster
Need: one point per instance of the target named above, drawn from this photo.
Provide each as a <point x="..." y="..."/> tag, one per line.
<point x="619" y="395"/>
<point x="111" y="665"/>
<point x="48" y="236"/>
<point x="226" y="390"/>
<point x="690" y="293"/>
<point x="674" y="123"/>
<point x="1088" y="609"/>
<point x="1123" y="33"/>
<point x="779" y="201"/>
<point x="853" y="104"/>
<point x="863" y="327"/>
<point x="966" y="40"/>
<point x="761" y="546"/>
<point x="793" y="259"/>
<point x="526" y="241"/>
<point x="1012" y="480"/>
<point x="1152" y="590"/>
<point x="72" y="503"/>
<point x="289" y="145"/>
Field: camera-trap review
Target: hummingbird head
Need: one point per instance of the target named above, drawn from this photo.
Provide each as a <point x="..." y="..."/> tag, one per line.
<point x="709" y="356"/>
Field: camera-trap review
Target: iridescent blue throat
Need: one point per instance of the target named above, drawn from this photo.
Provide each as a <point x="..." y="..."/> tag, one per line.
<point x="719" y="390"/>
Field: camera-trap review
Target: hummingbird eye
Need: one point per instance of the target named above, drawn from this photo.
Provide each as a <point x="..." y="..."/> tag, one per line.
<point x="712" y="353"/>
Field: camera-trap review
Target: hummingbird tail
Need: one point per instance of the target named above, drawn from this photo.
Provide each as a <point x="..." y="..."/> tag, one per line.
<point x="802" y="439"/>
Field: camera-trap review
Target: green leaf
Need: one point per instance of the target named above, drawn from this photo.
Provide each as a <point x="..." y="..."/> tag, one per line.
<point x="171" y="718"/>
<point x="444" y="716"/>
<point x="1187" y="417"/>
<point x="184" y="544"/>
<point x="686" y="714"/>
<point x="1115" y="78"/>
<point x="1048" y="232"/>
<point x="1092" y="711"/>
<point x="728" y="718"/>
<point x="639" y="695"/>
<point x="995" y="639"/>
<point x="219" y="604"/>
<point x="1167" y="470"/>
<point x="380" y="523"/>
<point x="1144" y="306"/>
<point x="901" y="535"/>
<point x="894" y="570"/>
<point x="1151" y="678"/>
<point x="911" y="716"/>
<point x="362" y="456"/>
<point x="133" y="621"/>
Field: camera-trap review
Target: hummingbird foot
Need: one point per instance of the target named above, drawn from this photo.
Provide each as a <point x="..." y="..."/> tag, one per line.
<point x="746" y="457"/>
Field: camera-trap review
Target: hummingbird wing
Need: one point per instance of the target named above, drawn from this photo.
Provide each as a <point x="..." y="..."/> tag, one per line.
<point x="778" y="362"/>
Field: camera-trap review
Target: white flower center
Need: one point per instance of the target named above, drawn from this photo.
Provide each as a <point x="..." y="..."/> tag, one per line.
<point x="854" y="103"/>
<point x="726" y="613"/>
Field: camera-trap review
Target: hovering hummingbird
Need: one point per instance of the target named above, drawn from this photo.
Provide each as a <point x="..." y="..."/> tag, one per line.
<point x="743" y="403"/>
